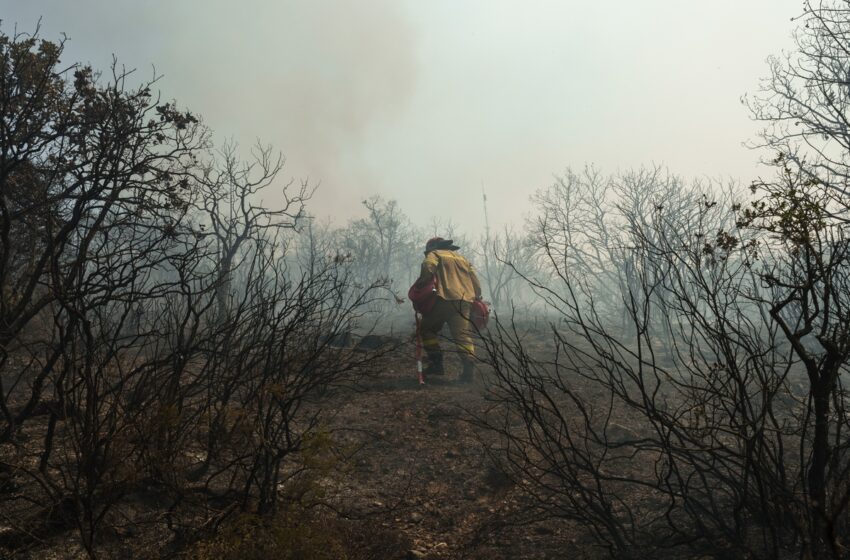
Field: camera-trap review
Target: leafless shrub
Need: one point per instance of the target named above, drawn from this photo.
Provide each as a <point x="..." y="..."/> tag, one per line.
<point x="156" y="332"/>
<point x="714" y="421"/>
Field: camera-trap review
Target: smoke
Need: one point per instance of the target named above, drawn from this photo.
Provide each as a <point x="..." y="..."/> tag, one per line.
<point x="311" y="77"/>
<point x="426" y="101"/>
<point x="324" y="73"/>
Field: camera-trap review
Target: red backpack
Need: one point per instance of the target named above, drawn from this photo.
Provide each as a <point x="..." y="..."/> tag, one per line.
<point x="480" y="313"/>
<point x="424" y="295"/>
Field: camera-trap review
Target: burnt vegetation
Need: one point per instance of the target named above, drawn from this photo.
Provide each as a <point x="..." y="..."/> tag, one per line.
<point x="695" y="400"/>
<point x="185" y="365"/>
<point x="160" y="331"/>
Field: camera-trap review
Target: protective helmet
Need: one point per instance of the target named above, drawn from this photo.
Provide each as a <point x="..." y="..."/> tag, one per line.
<point x="440" y="243"/>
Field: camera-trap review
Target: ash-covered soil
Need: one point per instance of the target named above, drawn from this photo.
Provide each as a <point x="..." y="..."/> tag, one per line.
<point x="412" y="469"/>
<point x="422" y="469"/>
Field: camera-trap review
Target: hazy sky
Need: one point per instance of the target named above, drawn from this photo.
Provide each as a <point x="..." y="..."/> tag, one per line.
<point x="422" y="101"/>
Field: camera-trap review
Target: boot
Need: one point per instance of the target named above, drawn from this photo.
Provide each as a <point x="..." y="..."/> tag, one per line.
<point x="435" y="364"/>
<point x="466" y="374"/>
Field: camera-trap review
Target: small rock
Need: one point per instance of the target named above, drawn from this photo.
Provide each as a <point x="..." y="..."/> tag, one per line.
<point x="416" y="517"/>
<point x="415" y="554"/>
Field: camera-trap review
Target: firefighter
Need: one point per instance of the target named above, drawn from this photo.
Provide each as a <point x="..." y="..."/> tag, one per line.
<point x="457" y="288"/>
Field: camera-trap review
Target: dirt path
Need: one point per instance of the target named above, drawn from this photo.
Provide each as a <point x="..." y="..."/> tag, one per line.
<point x="415" y="472"/>
<point x="424" y="471"/>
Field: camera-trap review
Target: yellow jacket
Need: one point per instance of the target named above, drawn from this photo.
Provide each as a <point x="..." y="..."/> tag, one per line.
<point x="456" y="279"/>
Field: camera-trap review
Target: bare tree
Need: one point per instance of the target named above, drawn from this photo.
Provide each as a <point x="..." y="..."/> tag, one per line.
<point x="381" y="248"/>
<point x="155" y="332"/>
<point x="230" y="191"/>
<point x="716" y="423"/>
<point x="507" y="256"/>
<point x="803" y="103"/>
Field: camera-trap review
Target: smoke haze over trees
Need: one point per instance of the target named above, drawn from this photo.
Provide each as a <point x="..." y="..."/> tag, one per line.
<point x="181" y="331"/>
<point x="421" y="102"/>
